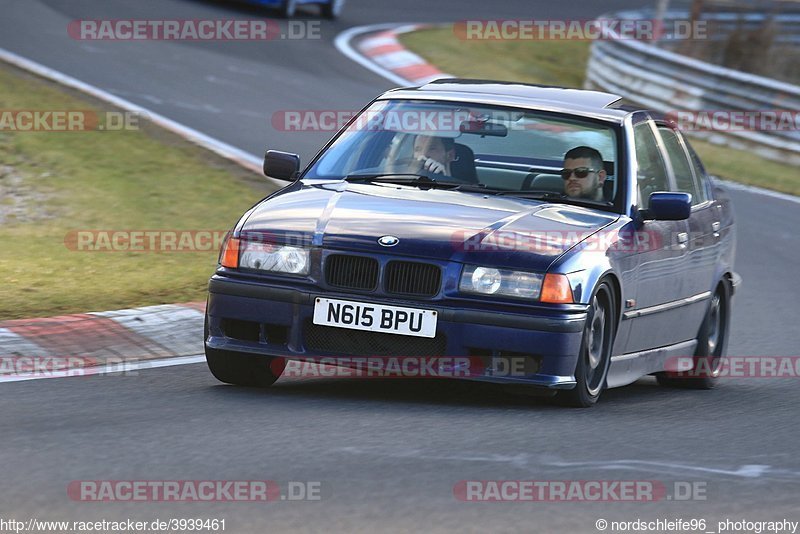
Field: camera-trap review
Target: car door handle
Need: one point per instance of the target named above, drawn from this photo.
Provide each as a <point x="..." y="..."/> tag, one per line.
<point x="715" y="226"/>
<point x="683" y="238"/>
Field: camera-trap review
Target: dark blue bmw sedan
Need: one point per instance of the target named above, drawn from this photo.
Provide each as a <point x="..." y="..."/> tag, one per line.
<point x="516" y="234"/>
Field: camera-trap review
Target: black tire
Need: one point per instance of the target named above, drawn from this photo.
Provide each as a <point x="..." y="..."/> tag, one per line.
<point x="251" y="370"/>
<point x="594" y="359"/>
<point x="333" y="9"/>
<point x="712" y="341"/>
<point x="288" y="8"/>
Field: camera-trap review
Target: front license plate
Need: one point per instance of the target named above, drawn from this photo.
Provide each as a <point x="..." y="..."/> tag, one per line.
<point x="375" y="317"/>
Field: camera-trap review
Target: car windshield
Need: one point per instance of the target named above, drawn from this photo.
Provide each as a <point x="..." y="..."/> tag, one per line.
<point x="499" y="150"/>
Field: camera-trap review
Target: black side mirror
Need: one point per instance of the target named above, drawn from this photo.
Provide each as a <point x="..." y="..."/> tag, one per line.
<point x="667" y="206"/>
<point x="281" y="165"/>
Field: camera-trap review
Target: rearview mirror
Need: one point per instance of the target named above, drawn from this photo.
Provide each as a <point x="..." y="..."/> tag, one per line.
<point x="281" y="165"/>
<point x="483" y="128"/>
<point x="668" y="206"/>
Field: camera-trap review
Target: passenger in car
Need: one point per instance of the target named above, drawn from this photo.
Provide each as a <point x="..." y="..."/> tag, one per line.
<point x="435" y="153"/>
<point x="583" y="173"/>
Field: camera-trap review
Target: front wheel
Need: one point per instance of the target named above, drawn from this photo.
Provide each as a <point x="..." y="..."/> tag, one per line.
<point x="595" y="354"/>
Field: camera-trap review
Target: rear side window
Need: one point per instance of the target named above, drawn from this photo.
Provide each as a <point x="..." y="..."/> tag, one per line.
<point x="652" y="173"/>
<point x="684" y="175"/>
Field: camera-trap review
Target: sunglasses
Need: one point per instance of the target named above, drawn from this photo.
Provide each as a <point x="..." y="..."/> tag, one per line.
<point x="580" y="172"/>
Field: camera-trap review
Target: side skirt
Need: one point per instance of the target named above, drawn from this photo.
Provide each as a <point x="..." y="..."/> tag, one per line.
<point x="628" y="368"/>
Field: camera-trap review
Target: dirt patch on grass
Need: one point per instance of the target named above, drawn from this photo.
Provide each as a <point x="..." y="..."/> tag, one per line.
<point x="24" y="194"/>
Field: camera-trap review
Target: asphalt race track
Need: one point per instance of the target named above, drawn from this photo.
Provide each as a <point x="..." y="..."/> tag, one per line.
<point x="387" y="453"/>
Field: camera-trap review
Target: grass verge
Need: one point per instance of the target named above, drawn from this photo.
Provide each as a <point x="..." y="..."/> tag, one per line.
<point x="54" y="183"/>
<point x="563" y="63"/>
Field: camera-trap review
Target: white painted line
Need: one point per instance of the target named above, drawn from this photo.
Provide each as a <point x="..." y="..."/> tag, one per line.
<point x="745" y="471"/>
<point x="248" y="161"/>
<point x="526" y="461"/>
<point x="114" y="369"/>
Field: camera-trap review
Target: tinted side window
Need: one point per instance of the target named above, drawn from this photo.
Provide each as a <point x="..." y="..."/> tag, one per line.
<point x="684" y="177"/>
<point x="652" y="174"/>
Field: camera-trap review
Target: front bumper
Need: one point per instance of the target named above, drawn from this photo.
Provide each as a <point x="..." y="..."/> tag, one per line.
<point x="550" y="339"/>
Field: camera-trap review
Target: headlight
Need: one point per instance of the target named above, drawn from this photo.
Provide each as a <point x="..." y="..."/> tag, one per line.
<point x="273" y="258"/>
<point x="490" y="281"/>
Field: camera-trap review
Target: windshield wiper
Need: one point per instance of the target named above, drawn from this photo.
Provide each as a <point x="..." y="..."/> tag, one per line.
<point x="419" y="180"/>
<point x="534" y="193"/>
<point x="385" y="177"/>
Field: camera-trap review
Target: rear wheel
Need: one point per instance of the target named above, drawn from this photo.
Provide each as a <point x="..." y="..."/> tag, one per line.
<point x="250" y="370"/>
<point x="595" y="354"/>
<point x="333" y="9"/>
<point x="709" y="357"/>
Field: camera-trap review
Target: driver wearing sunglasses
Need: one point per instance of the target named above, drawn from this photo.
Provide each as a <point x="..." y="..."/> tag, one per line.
<point x="583" y="173"/>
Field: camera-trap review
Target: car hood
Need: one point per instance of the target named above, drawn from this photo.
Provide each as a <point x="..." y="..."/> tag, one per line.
<point x="434" y="223"/>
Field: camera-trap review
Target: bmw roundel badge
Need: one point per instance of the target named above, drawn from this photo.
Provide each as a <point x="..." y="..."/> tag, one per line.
<point x="388" y="241"/>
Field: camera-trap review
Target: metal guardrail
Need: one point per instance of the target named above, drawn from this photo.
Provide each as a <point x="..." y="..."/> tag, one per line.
<point x="668" y="82"/>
